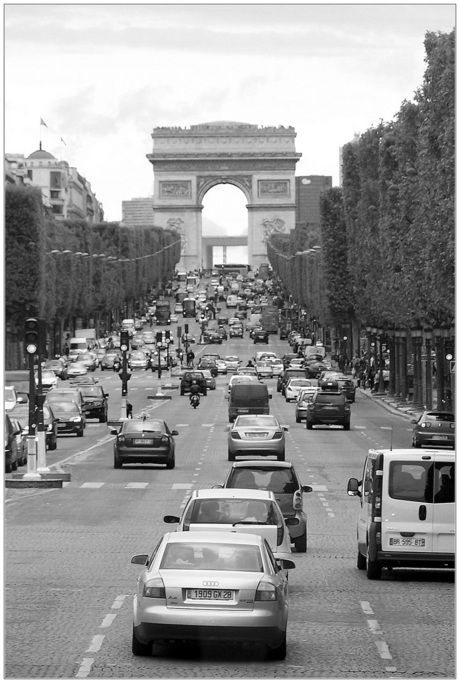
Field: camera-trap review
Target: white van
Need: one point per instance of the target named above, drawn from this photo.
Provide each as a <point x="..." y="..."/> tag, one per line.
<point x="407" y="510"/>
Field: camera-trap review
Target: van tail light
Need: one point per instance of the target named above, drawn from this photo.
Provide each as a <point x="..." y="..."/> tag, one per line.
<point x="297" y="501"/>
<point x="266" y="592"/>
<point x="377" y="505"/>
<point x="154" y="589"/>
<point x="279" y="535"/>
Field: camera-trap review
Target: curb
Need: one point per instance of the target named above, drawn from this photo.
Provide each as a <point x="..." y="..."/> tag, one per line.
<point x="406" y="413"/>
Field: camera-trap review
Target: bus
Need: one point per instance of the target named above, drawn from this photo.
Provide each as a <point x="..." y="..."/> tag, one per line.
<point x="232" y="269"/>
<point x="181" y="277"/>
<point x="269" y="319"/>
<point x="264" y="271"/>
<point x="162" y="312"/>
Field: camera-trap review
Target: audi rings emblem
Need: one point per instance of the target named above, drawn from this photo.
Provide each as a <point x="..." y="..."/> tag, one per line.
<point x="210" y="583"/>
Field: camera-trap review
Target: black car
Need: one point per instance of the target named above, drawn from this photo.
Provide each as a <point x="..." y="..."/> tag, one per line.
<point x="261" y="336"/>
<point x="315" y="368"/>
<point x="287" y="359"/>
<point x="95" y="401"/>
<point x="187" y="379"/>
<point x="144" y="441"/>
<point x="212" y="337"/>
<point x="328" y="408"/>
<point x="70" y="417"/>
<point x="58" y="366"/>
<point x="208" y="364"/>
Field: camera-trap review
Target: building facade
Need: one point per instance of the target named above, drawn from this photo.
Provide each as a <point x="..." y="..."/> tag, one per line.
<point x="137" y="211"/>
<point x="66" y="193"/>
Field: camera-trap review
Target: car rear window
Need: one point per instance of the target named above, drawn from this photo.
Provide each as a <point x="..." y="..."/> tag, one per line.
<point x="276" y="480"/>
<point x="330" y="399"/>
<point x="215" y="557"/>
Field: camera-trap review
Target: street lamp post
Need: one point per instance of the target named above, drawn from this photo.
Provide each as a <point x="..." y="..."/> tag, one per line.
<point x="403" y="366"/>
<point x="391" y="347"/>
<point x="417" y="398"/>
<point x="381" y="388"/>
<point x="428" y="334"/>
<point x="397" y="355"/>
<point x="439" y="348"/>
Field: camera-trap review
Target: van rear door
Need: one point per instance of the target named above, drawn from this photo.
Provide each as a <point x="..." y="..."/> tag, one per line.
<point x="414" y="517"/>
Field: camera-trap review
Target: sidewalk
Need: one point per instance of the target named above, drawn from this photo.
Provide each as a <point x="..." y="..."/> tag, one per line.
<point x="391" y="404"/>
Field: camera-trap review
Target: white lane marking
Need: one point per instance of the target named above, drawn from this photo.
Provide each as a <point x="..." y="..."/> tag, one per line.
<point x="181" y="486"/>
<point x="390" y="429"/>
<point x="137" y="485"/>
<point x="382" y="647"/>
<point x="319" y="487"/>
<point x="92" y="485"/>
<point x="366" y="607"/>
<point x="374" y="627"/>
<point x="183" y="425"/>
<point x="119" y="601"/>
<point x="85" y="667"/>
<point x="96" y="644"/>
<point x="208" y="425"/>
<point x="108" y="620"/>
<point x="360" y="427"/>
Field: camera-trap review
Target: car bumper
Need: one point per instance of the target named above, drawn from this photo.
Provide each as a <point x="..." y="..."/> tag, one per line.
<point x="69" y="427"/>
<point x="158" y="455"/>
<point x="256" y="448"/>
<point x="254" y="626"/>
<point x="427" y="439"/>
<point x="410" y="559"/>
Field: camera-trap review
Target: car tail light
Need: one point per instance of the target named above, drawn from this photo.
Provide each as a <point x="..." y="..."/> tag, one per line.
<point x="121" y="440"/>
<point x="452" y="425"/>
<point x="165" y="440"/>
<point x="277" y="435"/>
<point x="426" y="425"/>
<point x="266" y="592"/>
<point x="297" y="500"/>
<point x="154" y="589"/>
<point x="235" y="435"/>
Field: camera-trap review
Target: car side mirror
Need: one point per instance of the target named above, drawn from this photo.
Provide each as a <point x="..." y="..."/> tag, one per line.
<point x="307" y="489"/>
<point x="292" y="521"/>
<point x="285" y="428"/>
<point x="171" y="519"/>
<point x="353" y="487"/>
<point x="269" y="396"/>
<point x="413" y="422"/>
<point x="140" y="559"/>
<point x="285" y="564"/>
<point x="174" y="432"/>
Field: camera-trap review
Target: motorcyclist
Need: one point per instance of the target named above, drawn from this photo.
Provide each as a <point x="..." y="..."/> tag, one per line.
<point x="194" y="390"/>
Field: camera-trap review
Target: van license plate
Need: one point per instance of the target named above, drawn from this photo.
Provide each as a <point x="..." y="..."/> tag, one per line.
<point x="408" y="542"/>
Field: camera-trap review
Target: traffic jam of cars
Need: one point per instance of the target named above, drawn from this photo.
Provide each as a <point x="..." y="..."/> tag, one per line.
<point x="222" y="573"/>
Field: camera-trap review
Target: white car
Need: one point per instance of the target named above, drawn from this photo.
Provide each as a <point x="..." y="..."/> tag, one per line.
<point x="277" y="366"/>
<point x="303" y="399"/>
<point x="221" y="366"/>
<point x="246" y="511"/>
<point x="49" y="379"/>
<point x="294" y="386"/>
<point x="232" y="362"/>
<point x="211" y="587"/>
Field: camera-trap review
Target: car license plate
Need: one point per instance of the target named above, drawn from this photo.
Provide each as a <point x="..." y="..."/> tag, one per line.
<point x="408" y="542"/>
<point x="142" y="442"/>
<point x="243" y="410"/>
<point x="440" y="438"/>
<point x="208" y="594"/>
<point x="256" y="435"/>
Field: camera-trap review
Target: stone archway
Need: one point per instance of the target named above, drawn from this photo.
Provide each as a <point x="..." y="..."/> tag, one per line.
<point x="187" y="162"/>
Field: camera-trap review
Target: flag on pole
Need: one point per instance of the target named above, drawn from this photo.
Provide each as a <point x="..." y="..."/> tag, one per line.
<point x="62" y="140"/>
<point x="42" y="123"/>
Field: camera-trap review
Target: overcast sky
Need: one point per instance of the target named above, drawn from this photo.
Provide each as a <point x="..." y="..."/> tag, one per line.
<point x="103" y="76"/>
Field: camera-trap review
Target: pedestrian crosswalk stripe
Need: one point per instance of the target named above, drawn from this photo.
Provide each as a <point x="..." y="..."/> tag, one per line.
<point x="137" y="485"/>
<point x="92" y="485"/>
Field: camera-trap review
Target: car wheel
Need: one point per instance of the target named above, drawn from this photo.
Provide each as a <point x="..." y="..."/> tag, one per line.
<point x="231" y="457"/>
<point x="170" y="465"/>
<point x="282" y="456"/>
<point x="374" y="570"/>
<point x="416" y="443"/>
<point x="53" y="444"/>
<point x="14" y="465"/>
<point x="182" y="392"/>
<point x="346" y="426"/>
<point x="138" y="648"/>
<point x="278" y="652"/>
<point x="117" y="463"/>
<point x="361" y="561"/>
<point x="7" y="467"/>
<point x="297" y="419"/>
<point x="80" y="432"/>
<point x="309" y="424"/>
<point x="103" y="418"/>
<point x="300" y="543"/>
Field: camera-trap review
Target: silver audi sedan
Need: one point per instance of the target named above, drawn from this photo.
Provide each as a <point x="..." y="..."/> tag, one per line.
<point x="211" y="587"/>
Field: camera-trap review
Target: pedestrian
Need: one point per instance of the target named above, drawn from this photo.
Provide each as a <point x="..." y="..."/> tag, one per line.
<point x="190" y="358"/>
<point x="371" y="378"/>
<point x="129" y="409"/>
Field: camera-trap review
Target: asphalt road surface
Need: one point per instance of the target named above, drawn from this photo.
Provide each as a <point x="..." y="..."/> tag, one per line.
<point x="69" y="582"/>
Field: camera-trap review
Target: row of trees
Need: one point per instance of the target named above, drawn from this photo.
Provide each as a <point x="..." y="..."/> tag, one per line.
<point x="387" y="239"/>
<point x="385" y="257"/>
<point x="63" y="270"/>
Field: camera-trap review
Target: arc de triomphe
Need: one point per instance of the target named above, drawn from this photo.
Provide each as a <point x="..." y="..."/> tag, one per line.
<point x="187" y="162"/>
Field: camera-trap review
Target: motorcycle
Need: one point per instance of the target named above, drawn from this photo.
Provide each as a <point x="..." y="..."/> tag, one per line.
<point x="195" y="400"/>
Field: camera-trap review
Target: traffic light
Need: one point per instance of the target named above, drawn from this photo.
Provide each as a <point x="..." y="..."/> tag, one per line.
<point x="31" y="335"/>
<point x="124" y="340"/>
<point x="167" y="335"/>
<point x="159" y="337"/>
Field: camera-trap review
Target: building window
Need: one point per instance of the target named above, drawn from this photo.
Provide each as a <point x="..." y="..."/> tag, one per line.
<point x="55" y="179"/>
<point x="57" y="208"/>
<point x="30" y="174"/>
<point x="55" y="194"/>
